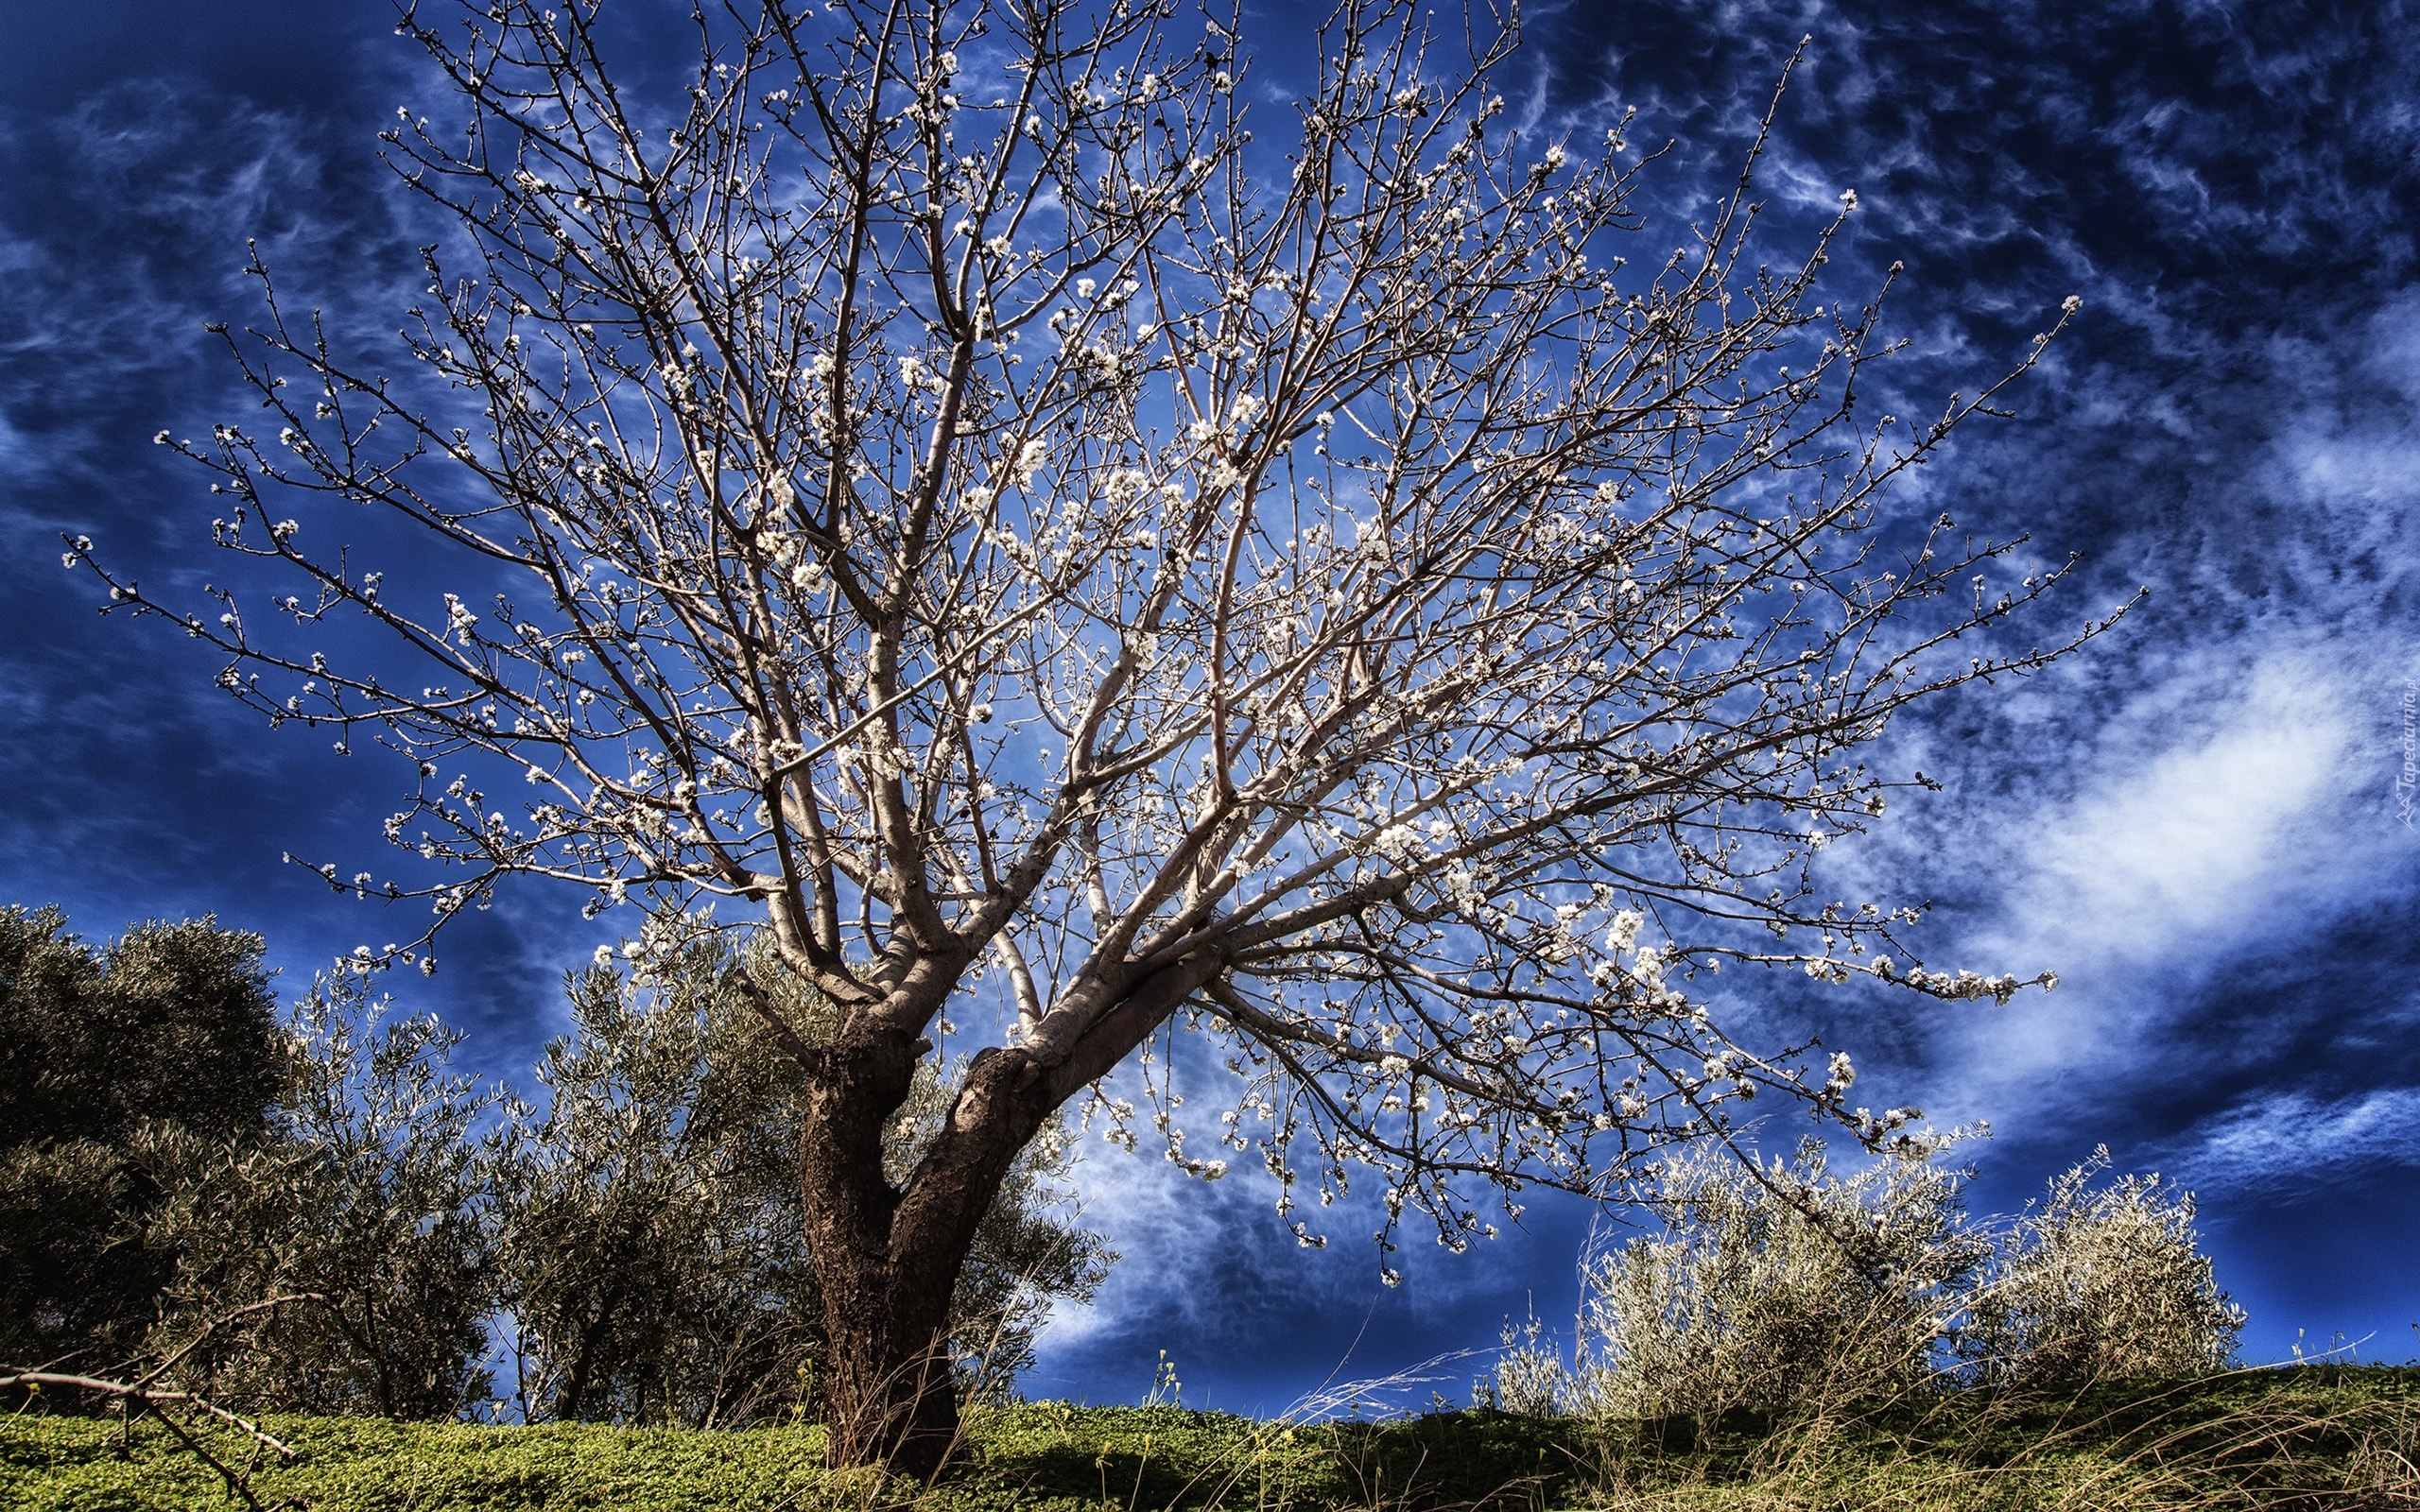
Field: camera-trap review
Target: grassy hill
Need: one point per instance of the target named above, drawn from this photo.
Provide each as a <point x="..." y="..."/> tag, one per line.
<point x="2315" y="1438"/>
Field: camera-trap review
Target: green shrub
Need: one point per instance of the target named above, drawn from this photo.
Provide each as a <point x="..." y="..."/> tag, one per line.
<point x="1780" y="1286"/>
<point x="168" y="1032"/>
<point x="2103" y="1281"/>
<point x="169" y="1023"/>
<point x="1785" y="1288"/>
<point x="316" y="1217"/>
<point x="366" y="1195"/>
<point x="170" y="1153"/>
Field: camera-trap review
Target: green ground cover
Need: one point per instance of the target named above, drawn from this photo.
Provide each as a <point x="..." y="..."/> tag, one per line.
<point x="2333" y="1437"/>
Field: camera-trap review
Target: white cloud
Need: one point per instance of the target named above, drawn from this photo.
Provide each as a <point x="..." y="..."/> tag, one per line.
<point x="2363" y="469"/>
<point x="1156" y="1217"/>
<point x="1211" y="1259"/>
<point x="2272" y="1146"/>
<point x="2168" y="850"/>
<point x="2210" y="817"/>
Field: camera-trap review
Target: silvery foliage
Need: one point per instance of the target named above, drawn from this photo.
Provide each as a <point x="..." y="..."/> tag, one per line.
<point x="937" y="482"/>
<point x="2102" y="1280"/>
<point x="1784" y="1286"/>
<point x="650" y="1254"/>
<point x="1530" y="1378"/>
<point x="365" y="1203"/>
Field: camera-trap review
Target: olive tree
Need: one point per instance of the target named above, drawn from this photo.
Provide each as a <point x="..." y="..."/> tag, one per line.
<point x="934" y="483"/>
<point x="1785" y="1286"/>
<point x="2103" y="1279"/>
<point x="339" y="1263"/>
<point x="167" y="1034"/>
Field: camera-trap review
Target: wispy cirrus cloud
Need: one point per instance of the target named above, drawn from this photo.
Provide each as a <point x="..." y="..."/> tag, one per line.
<point x="2213" y="799"/>
<point x="2294" y="1142"/>
<point x="134" y="214"/>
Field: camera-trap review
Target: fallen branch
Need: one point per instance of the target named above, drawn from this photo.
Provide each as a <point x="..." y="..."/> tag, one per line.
<point x="150" y="1398"/>
<point x="139" y="1396"/>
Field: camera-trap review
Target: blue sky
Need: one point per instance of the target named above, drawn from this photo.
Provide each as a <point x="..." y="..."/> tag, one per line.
<point x="2195" y="823"/>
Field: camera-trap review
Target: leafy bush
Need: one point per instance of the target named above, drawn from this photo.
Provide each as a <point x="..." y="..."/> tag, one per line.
<point x="1779" y="1284"/>
<point x="166" y="1032"/>
<point x="321" y="1220"/>
<point x="171" y="1023"/>
<point x="2106" y="1282"/>
<point x="1785" y="1287"/>
<point x="648" y="1248"/>
<point x="364" y="1202"/>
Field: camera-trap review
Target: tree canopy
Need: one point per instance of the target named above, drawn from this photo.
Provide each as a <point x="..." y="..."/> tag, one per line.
<point x="934" y="484"/>
<point x="170" y="1021"/>
<point x="168" y="1031"/>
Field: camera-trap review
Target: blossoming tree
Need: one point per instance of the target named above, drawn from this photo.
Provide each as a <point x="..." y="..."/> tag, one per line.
<point x="957" y="499"/>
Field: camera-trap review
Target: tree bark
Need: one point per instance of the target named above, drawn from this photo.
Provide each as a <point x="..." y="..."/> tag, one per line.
<point x="888" y="1258"/>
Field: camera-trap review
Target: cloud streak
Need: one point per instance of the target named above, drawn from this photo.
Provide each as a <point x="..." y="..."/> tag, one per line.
<point x="2294" y="1142"/>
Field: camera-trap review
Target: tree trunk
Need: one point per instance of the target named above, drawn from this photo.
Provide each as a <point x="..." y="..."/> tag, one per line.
<point x="888" y="1258"/>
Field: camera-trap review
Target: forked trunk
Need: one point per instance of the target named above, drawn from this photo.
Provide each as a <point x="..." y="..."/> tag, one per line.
<point x="888" y="1258"/>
